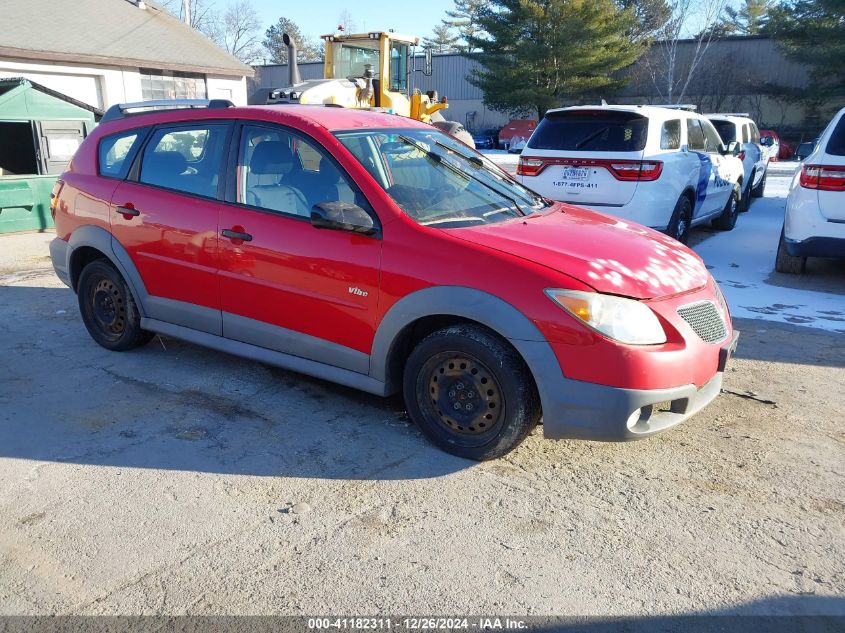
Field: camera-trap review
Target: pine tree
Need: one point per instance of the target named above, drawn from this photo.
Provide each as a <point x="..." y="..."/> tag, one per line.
<point x="749" y="19"/>
<point x="443" y="39"/>
<point x="465" y="18"/>
<point x="538" y="53"/>
<point x="812" y="32"/>
<point x="306" y="50"/>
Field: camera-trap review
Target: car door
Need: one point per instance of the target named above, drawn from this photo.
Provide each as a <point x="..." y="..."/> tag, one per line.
<point x="165" y="216"/>
<point x="285" y="284"/>
<point x="759" y="153"/>
<point x="712" y="189"/>
<point x="726" y="169"/>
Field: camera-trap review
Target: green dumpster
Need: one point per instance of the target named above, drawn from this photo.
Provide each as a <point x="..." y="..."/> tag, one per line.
<point x="40" y="130"/>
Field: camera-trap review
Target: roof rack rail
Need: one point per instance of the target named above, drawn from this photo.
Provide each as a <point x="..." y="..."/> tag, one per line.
<point x="745" y="114"/>
<point x="121" y="110"/>
<point x="675" y="106"/>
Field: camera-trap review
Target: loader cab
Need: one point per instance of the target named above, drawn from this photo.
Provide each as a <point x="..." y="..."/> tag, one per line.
<point x="387" y="54"/>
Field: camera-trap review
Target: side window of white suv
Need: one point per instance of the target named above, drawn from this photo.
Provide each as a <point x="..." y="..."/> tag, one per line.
<point x="712" y="142"/>
<point x="670" y="134"/>
<point x="695" y="137"/>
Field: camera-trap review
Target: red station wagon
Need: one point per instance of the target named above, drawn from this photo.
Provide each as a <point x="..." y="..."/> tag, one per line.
<point x="377" y="252"/>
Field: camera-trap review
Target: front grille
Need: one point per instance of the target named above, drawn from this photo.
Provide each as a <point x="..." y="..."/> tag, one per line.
<point x="704" y="319"/>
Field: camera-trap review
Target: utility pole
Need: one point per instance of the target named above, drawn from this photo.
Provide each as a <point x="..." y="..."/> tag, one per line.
<point x="186" y="11"/>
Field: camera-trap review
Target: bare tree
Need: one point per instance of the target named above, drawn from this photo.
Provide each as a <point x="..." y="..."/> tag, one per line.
<point x="198" y="14"/>
<point x="348" y="23"/>
<point x="672" y="76"/>
<point x="238" y="30"/>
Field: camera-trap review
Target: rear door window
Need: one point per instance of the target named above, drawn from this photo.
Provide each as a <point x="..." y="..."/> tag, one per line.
<point x="755" y="134"/>
<point x="745" y="135"/>
<point x="591" y="131"/>
<point x="695" y="137"/>
<point x="726" y="130"/>
<point x="836" y="144"/>
<point x="670" y="134"/>
<point x="185" y="158"/>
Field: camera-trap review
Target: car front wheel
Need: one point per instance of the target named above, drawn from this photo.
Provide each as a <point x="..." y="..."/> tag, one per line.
<point x="727" y="221"/>
<point x="679" y="225"/>
<point x="108" y="309"/>
<point x="470" y="393"/>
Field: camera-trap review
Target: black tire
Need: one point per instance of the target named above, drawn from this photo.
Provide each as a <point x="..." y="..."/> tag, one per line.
<point x="455" y="130"/>
<point x="470" y="393"/>
<point x="727" y="221"/>
<point x="745" y="201"/>
<point x="757" y="192"/>
<point x="108" y="309"/>
<point x="680" y="224"/>
<point x="786" y="263"/>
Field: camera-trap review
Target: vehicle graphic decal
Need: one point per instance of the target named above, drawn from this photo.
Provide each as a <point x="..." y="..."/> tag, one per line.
<point x="705" y="169"/>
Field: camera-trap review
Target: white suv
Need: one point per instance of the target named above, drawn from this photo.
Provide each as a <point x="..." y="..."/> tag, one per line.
<point x="738" y="128"/>
<point x="814" y="223"/>
<point x="662" y="167"/>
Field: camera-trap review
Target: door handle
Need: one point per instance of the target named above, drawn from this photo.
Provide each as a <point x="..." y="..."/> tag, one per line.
<point x="236" y="235"/>
<point x="128" y="211"/>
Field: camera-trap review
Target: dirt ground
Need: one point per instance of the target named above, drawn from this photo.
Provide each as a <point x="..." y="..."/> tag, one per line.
<point x="176" y="480"/>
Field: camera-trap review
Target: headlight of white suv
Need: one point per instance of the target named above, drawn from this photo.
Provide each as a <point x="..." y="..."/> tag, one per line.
<point x="624" y="320"/>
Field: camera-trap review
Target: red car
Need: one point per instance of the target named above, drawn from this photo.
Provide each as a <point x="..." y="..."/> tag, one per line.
<point x="377" y="252"/>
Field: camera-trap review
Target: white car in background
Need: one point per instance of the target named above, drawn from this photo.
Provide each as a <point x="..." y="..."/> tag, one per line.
<point x="755" y="160"/>
<point x="814" y="222"/>
<point x="663" y="167"/>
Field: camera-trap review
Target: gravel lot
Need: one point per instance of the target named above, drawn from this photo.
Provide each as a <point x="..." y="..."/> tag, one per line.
<point x="178" y="480"/>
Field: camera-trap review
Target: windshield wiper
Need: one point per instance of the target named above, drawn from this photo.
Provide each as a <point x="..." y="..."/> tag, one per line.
<point x="592" y="136"/>
<point x="437" y="158"/>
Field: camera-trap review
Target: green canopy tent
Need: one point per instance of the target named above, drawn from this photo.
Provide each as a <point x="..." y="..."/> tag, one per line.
<point x="40" y="130"/>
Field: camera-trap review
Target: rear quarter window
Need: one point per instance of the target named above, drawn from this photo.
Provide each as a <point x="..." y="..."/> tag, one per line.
<point x="670" y="134"/>
<point x="591" y="131"/>
<point x="836" y="144"/>
<point x="116" y="153"/>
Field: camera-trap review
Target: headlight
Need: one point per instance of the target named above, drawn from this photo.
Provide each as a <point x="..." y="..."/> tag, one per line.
<point x="624" y="320"/>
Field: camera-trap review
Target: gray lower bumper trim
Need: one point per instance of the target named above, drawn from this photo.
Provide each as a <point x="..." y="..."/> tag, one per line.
<point x="60" y="254"/>
<point x="582" y="410"/>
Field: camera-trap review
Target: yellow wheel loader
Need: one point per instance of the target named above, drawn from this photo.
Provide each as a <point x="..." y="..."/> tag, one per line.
<point x="369" y="71"/>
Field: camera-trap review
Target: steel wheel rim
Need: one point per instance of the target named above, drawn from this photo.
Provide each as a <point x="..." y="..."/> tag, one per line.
<point x="108" y="308"/>
<point x="683" y="224"/>
<point x="462" y="396"/>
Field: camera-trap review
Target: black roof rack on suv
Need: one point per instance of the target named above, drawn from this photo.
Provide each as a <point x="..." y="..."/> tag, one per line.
<point x="121" y="110"/>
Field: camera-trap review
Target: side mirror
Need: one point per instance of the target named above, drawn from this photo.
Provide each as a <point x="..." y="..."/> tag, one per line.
<point x="342" y="216"/>
<point x="428" y="68"/>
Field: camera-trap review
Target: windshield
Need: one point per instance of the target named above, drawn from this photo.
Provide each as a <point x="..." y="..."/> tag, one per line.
<point x="349" y="60"/>
<point x="437" y="180"/>
<point x="726" y="130"/>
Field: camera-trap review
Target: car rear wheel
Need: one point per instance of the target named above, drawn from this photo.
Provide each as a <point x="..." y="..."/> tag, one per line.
<point x="786" y="263"/>
<point x="757" y="192"/>
<point x="108" y="309"/>
<point x="727" y="221"/>
<point x="679" y="225"/>
<point x="470" y="393"/>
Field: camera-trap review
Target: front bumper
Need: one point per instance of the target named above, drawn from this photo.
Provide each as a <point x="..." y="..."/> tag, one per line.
<point x="581" y="410"/>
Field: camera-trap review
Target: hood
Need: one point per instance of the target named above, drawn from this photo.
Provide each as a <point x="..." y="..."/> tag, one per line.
<point x="609" y="254"/>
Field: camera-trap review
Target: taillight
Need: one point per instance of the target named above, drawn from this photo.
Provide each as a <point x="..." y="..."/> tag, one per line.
<point x="530" y="166"/>
<point x="54" y="197"/>
<point x="636" y="169"/>
<point x="628" y="170"/>
<point x="741" y="155"/>
<point x="823" y="177"/>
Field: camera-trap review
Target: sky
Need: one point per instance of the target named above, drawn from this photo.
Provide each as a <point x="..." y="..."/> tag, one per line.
<point x="318" y="17"/>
